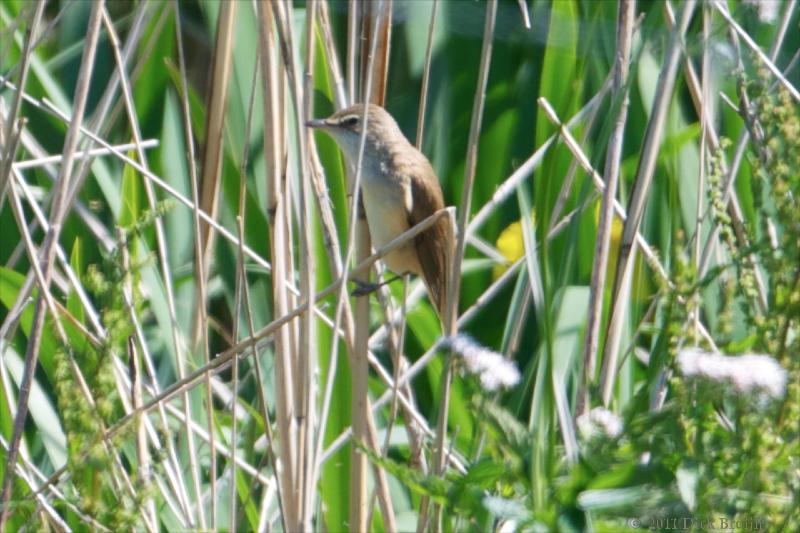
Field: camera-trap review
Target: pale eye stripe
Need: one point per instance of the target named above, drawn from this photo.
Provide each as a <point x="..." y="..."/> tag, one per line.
<point x="345" y="119"/>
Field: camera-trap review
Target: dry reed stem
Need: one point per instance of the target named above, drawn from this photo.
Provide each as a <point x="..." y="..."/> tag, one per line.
<point x="305" y="385"/>
<point x="307" y="413"/>
<point x="208" y="202"/>
<point x="161" y="240"/>
<point x="639" y="195"/>
<point x="359" y="238"/>
<point x="378" y="30"/>
<point x="83" y="154"/>
<point x="791" y="89"/>
<point x="331" y="59"/>
<point x="625" y="17"/>
<point x="218" y="87"/>
<point x="569" y="178"/>
<point x="454" y="283"/>
<point x="240" y="278"/>
<point x="352" y="49"/>
<point x="51" y="306"/>
<point x="273" y="77"/>
<point x="11" y="118"/>
<point x="94" y="320"/>
<point x="729" y="195"/>
<point x="273" y="457"/>
<point x="40" y="219"/>
<point x="194" y="465"/>
<point x="119" y="78"/>
<point x="58" y="213"/>
<point x="710" y="142"/>
<point x="426" y="73"/>
<point x="135" y="389"/>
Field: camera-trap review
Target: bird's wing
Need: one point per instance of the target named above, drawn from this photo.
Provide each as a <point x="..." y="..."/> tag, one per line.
<point x="435" y="244"/>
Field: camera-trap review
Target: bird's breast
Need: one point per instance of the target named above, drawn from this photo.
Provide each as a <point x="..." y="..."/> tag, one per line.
<point x="386" y="203"/>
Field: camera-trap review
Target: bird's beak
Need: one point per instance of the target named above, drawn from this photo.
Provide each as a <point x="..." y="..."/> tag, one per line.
<point x="317" y="123"/>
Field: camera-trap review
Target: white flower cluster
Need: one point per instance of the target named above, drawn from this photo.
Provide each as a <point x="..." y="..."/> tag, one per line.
<point x="746" y="373"/>
<point x="768" y="10"/>
<point x="599" y="421"/>
<point x="492" y="368"/>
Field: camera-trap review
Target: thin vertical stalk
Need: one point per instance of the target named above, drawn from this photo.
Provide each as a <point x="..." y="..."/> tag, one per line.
<point x="352" y="49"/>
<point x="187" y="125"/>
<point x="332" y="60"/>
<point x="705" y="122"/>
<point x="241" y="281"/>
<point x="376" y="26"/>
<point x="454" y="283"/>
<point x="344" y="314"/>
<point x="59" y="210"/>
<point x="118" y="475"/>
<point x="151" y="197"/>
<point x="639" y="196"/>
<point x="221" y="66"/>
<point x="308" y="349"/>
<point x="358" y="346"/>
<point x="16" y="103"/>
<point x="271" y="455"/>
<point x="273" y="80"/>
<point x="625" y="17"/>
<point x="396" y="343"/>
<point x="359" y="236"/>
<point x="207" y="200"/>
<point x="102" y="120"/>
<point x="142" y="452"/>
<point x="426" y="73"/>
<point x="377" y="32"/>
<point x="241" y="277"/>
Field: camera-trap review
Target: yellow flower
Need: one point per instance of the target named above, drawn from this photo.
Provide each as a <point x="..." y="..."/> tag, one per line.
<point x="616" y="237"/>
<point x="511" y="245"/>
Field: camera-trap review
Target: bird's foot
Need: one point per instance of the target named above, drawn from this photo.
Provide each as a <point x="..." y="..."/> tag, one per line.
<point x="363" y="288"/>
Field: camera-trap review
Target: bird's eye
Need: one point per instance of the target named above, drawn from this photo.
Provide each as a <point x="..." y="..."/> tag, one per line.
<point x="350" y="121"/>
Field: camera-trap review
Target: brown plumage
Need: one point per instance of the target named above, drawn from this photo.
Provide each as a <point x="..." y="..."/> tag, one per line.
<point x="434" y="245"/>
<point x="399" y="189"/>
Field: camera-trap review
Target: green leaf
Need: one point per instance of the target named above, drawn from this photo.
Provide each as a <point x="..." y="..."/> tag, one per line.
<point x="504" y="508"/>
<point x="11" y="283"/>
<point x="433" y="486"/>
<point x="688" y="477"/>
<point x="196" y="107"/>
<point x="606" y="499"/>
<point x="74" y="305"/>
<point x="510" y="429"/>
<point x="131" y="188"/>
<point x="43" y="414"/>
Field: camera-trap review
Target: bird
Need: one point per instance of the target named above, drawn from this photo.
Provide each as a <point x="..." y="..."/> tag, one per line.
<point x="399" y="189"/>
